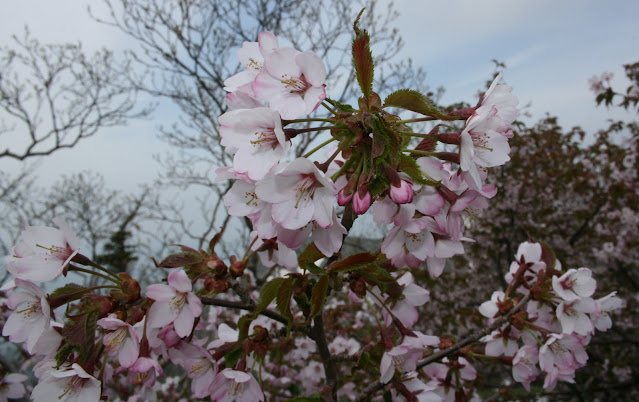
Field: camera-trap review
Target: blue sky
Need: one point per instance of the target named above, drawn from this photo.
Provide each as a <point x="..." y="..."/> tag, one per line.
<point x="551" y="49"/>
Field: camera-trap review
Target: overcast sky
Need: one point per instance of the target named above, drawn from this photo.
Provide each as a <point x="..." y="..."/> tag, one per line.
<point x="551" y="49"/>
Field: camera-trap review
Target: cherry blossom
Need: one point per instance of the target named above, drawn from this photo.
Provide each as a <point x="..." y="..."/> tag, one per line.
<point x="11" y="386"/>
<point x="300" y="193"/>
<point x="43" y="252"/>
<point x="174" y="303"/>
<point x="292" y="82"/>
<point x="251" y="55"/>
<point x="32" y="320"/>
<point x="71" y="384"/>
<point x="232" y="385"/>
<point x="256" y="139"/>
<point x="525" y="368"/>
<point x="123" y="340"/>
<point x="574" y="284"/>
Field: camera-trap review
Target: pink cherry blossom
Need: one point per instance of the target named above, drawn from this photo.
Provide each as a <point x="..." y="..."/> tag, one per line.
<point x="525" y="368"/>
<point x="573" y="316"/>
<point x="11" y="386"/>
<point x="604" y="306"/>
<point x="291" y="82"/>
<point x="232" y="385"/>
<point x="300" y="193"/>
<point x="256" y="139"/>
<point x="143" y="372"/>
<point x="43" y="252"/>
<point x="70" y="384"/>
<point x="174" y="303"/>
<point x="251" y="55"/>
<point x="574" y="284"/>
<point x="123" y="340"/>
<point x="361" y="201"/>
<point x="32" y="320"/>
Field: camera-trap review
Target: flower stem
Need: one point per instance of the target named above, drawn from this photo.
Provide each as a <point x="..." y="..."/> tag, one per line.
<point x="423" y="153"/>
<point x="88" y="271"/>
<point x="286" y="122"/>
<point x="330" y="109"/>
<point x="418" y="135"/>
<point x="429" y="118"/>
<point x="320" y="146"/>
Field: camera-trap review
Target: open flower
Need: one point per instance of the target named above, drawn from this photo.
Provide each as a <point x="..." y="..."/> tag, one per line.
<point x="232" y="385"/>
<point x="122" y="339"/>
<point x="43" y="252"/>
<point x="31" y="320"/>
<point x="291" y="81"/>
<point x="174" y="303"/>
<point x="256" y="139"/>
<point x="67" y="384"/>
<point x="299" y="193"/>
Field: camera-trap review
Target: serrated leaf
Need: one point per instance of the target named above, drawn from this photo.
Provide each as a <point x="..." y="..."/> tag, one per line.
<point x="363" y="62"/>
<point x="364" y="359"/>
<point x="340" y="106"/>
<point x="409" y="166"/>
<point x="268" y="294"/>
<point x="308" y="257"/>
<point x="412" y="100"/>
<point x="352" y="263"/>
<point x="318" y="296"/>
<point x="283" y="300"/>
<point x="68" y="289"/>
<point x="243" y="325"/>
<point x="231" y="358"/>
<point x="180" y="260"/>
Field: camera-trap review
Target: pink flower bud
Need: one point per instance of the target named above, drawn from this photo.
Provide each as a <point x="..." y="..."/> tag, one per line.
<point x="361" y="201"/>
<point x="343" y="198"/>
<point x="402" y="194"/>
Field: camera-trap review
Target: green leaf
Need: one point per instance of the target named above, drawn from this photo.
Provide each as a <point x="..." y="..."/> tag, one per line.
<point x="243" y="325"/>
<point x="319" y="294"/>
<point x="268" y="294"/>
<point x="68" y="289"/>
<point x="231" y="358"/>
<point x="409" y="166"/>
<point x="412" y="100"/>
<point x="352" y="263"/>
<point x="340" y="106"/>
<point x="364" y="359"/>
<point x="308" y="257"/>
<point x="363" y="62"/>
<point x="180" y="260"/>
<point x="284" y="297"/>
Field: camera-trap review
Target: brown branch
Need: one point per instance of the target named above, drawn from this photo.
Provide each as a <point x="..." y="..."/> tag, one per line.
<point x="470" y="338"/>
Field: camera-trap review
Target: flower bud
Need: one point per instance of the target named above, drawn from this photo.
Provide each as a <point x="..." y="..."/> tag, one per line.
<point x="343" y="198"/>
<point x="402" y="194"/>
<point x="237" y="268"/>
<point x="358" y="287"/>
<point x="361" y="200"/>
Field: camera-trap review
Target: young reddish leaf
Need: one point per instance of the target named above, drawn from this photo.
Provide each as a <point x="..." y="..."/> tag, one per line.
<point x="412" y="100"/>
<point x="69" y="288"/>
<point x="363" y="62"/>
<point x="317" y="299"/>
<point x="352" y="263"/>
<point x="180" y="260"/>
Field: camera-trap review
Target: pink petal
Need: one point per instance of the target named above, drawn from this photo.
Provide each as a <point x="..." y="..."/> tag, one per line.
<point x="160" y="292"/>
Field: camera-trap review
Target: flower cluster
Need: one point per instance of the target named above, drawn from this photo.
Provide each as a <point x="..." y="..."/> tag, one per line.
<point x="106" y="345"/>
<point x="552" y="331"/>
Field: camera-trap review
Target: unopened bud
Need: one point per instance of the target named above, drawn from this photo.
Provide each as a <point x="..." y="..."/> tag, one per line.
<point x="403" y="194"/>
<point x="343" y="198"/>
<point x="260" y="333"/>
<point x="361" y="201"/>
<point x="358" y="287"/>
<point x="216" y="265"/>
<point x="237" y="268"/>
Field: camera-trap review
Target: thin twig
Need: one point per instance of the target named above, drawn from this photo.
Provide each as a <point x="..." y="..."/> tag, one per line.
<point x="470" y="338"/>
